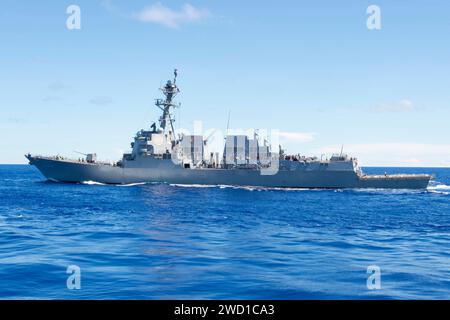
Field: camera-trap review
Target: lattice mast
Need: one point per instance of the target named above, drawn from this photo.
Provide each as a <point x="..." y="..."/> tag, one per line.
<point x="170" y="90"/>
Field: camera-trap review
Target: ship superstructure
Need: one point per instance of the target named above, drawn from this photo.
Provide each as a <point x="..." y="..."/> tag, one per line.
<point x="158" y="154"/>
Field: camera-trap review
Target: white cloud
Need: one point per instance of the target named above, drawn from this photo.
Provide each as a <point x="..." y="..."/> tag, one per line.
<point x="158" y="13"/>
<point x="296" y="136"/>
<point x="403" y="105"/>
<point x="395" y="154"/>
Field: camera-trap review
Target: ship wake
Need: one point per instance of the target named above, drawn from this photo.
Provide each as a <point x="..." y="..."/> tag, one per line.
<point x="248" y="188"/>
<point x="93" y="183"/>
<point x="434" y="187"/>
<point x="438" y="187"/>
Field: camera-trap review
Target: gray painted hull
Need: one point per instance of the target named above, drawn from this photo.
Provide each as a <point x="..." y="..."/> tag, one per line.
<point x="165" y="171"/>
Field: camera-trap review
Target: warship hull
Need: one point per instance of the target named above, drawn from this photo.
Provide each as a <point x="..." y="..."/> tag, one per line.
<point x="160" y="155"/>
<point x="150" y="170"/>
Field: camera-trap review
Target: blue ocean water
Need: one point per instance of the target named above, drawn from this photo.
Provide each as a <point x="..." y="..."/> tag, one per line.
<point x="158" y="241"/>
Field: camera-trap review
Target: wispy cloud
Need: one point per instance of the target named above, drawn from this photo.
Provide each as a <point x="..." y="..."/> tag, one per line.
<point x="57" y="86"/>
<point x="403" y="105"/>
<point x="101" y="100"/>
<point x="51" y="98"/>
<point x="293" y="141"/>
<point x="16" y="120"/>
<point x="160" y="14"/>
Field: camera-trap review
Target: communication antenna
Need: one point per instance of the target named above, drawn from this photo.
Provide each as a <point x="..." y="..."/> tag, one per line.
<point x="228" y="122"/>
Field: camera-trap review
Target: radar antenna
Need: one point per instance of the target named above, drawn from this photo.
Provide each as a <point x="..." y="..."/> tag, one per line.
<point x="170" y="90"/>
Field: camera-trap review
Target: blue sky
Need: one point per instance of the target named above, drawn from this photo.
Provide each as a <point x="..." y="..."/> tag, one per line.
<point x="311" y="69"/>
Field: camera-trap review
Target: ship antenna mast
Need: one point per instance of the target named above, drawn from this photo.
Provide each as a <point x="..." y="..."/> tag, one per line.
<point x="228" y="121"/>
<point x="170" y="90"/>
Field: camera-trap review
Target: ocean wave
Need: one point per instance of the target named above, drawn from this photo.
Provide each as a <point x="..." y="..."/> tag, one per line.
<point x="274" y="229"/>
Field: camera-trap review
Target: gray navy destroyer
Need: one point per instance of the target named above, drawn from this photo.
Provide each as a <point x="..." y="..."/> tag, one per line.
<point x="159" y="155"/>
